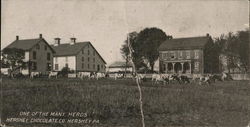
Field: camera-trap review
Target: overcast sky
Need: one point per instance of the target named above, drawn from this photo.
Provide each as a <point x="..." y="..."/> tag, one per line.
<point x="105" y="23"/>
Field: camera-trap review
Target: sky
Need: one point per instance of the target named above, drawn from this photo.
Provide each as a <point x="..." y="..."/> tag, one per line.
<point x="106" y="23"/>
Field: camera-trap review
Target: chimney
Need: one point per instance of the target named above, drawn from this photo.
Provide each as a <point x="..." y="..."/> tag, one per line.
<point x="17" y="37"/>
<point x="57" y="41"/>
<point x="72" y="40"/>
<point x="40" y="36"/>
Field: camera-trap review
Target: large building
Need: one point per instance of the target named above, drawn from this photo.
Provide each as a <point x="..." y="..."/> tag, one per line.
<point x="120" y="67"/>
<point x="184" y="55"/>
<point x="77" y="56"/>
<point x="38" y="54"/>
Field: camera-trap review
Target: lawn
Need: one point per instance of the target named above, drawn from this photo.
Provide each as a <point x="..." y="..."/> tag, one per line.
<point x="115" y="103"/>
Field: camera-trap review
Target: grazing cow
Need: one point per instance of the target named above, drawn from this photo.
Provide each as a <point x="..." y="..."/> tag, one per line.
<point x="156" y="78"/>
<point x="34" y="74"/>
<point x="84" y="75"/>
<point x="118" y="75"/>
<point x="53" y="74"/>
<point x="99" y="75"/>
<point x="4" y="71"/>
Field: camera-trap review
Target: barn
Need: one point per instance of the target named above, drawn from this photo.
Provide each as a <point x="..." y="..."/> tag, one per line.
<point x="77" y="56"/>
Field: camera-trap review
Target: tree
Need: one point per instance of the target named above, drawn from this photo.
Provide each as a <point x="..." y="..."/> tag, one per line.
<point x="236" y="49"/>
<point x="145" y="46"/>
<point x="13" y="57"/>
<point x="243" y="39"/>
<point x="149" y="40"/>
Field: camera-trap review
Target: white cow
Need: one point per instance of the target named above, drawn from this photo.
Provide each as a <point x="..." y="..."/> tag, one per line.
<point x="53" y="74"/>
<point x="99" y="75"/>
<point x="117" y="75"/>
<point x="158" y="78"/>
<point x="5" y="71"/>
<point x="84" y="75"/>
<point x="34" y="74"/>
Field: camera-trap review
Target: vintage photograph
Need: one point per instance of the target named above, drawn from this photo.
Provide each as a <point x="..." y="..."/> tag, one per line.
<point x="125" y="63"/>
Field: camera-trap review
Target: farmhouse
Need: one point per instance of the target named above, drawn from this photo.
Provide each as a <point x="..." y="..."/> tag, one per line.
<point x="38" y="54"/>
<point x="184" y="55"/>
<point x="77" y="56"/>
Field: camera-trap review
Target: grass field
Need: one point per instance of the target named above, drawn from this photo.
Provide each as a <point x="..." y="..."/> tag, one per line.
<point x="115" y="103"/>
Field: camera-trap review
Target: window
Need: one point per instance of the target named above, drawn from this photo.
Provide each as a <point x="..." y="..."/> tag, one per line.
<point x="45" y="47"/>
<point x="196" y="54"/>
<point x="37" y="46"/>
<point x="93" y="66"/>
<point x="196" y="66"/>
<point x="48" y="67"/>
<point x="172" y="55"/>
<point x="56" y="66"/>
<point x="34" y="66"/>
<point x="82" y="51"/>
<point x="180" y="54"/>
<point x="82" y="65"/>
<point x="88" y="52"/>
<point x="88" y="59"/>
<point x="82" y="58"/>
<point x="93" y="59"/>
<point x="88" y="66"/>
<point x="48" y="56"/>
<point x="164" y="55"/>
<point x="188" y="54"/>
<point x="34" y="55"/>
<point x="94" y="53"/>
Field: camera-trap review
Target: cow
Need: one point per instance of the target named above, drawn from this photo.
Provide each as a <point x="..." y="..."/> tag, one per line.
<point x="53" y="74"/>
<point x="82" y="75"/>
<point x="118" y="75"/>
<point x="99" y="75"/>
<point x="34" y="74"/>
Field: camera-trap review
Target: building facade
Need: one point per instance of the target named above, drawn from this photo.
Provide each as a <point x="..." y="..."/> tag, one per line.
<point x="77" y="56"/>
<point x="38" y="54"/>
<point x="183" y="55"/>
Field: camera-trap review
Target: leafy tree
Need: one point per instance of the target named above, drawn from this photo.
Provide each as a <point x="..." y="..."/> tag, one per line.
<point x="13" y="58"/>
<point x="145" y="46"/>
<point x="149" y="40"/>
<point x="244" y="51"/>
<point x="65" y="71"/>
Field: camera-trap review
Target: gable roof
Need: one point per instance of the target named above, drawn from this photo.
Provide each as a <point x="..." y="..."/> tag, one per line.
<point x="119" y="64"/>
<point x="184" y="43"/>
<point x="69" y="49"/>
<point x="72" y="49"/>
<point x="27" y="44"/>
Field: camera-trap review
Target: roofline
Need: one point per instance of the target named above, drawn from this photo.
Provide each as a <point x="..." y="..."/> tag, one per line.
<point x="182" y="49"/>
<point x="97" y="52"/>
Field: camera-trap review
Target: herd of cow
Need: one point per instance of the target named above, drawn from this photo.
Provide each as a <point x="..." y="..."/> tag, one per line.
<point x="156" y="78"/>
<point x="184" y="79"/>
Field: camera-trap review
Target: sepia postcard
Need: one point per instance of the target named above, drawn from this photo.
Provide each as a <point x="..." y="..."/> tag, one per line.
<point x="125" y="63"/>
